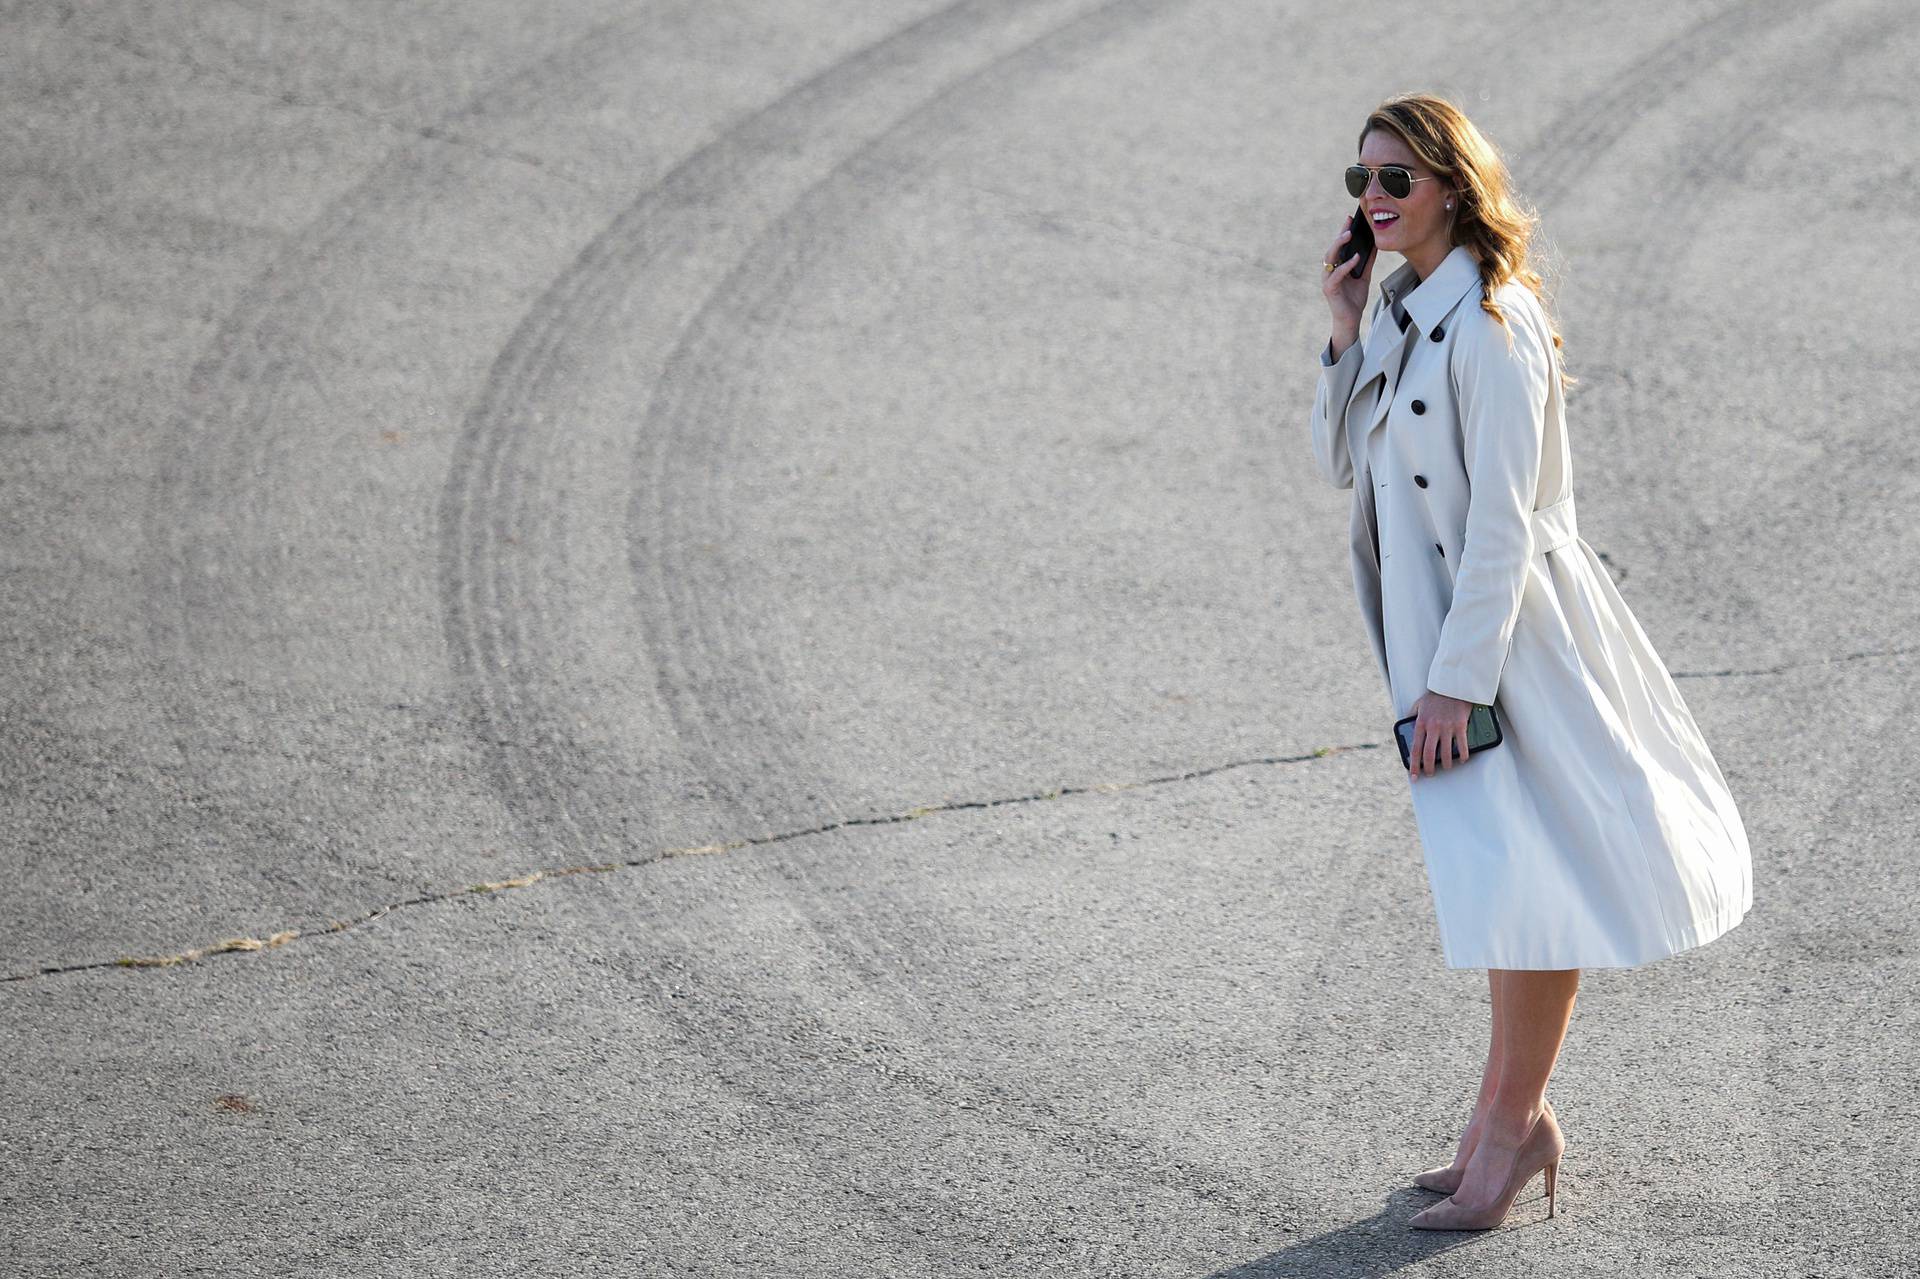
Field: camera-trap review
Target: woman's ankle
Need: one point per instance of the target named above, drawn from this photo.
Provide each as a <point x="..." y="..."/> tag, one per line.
<point x="1508" y="1123"/>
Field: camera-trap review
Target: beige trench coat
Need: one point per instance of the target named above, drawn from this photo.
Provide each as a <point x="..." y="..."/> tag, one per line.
<point x="1601" y="832"/>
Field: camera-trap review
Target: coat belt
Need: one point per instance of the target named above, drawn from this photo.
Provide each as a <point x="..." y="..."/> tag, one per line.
<point x="1553" y="526"/>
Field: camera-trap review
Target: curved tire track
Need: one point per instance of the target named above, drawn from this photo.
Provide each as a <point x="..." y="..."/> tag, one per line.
<point x="506" y="620"/>
<point x="210" y="566"/>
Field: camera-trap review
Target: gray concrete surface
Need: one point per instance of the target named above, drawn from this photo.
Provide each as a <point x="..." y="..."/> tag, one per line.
<point x="838" y="471"/>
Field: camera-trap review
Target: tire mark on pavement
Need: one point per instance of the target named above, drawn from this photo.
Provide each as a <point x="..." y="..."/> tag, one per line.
<point x="507" y="628"/>
<point x="202" y="572"/>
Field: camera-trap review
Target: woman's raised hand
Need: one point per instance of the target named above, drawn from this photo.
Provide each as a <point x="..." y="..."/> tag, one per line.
<point x="1346" y="295"/>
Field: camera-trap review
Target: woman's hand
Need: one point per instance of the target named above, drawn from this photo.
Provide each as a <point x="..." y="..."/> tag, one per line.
<point x="1442" y="723"/>
<point x="1346" y="295"/>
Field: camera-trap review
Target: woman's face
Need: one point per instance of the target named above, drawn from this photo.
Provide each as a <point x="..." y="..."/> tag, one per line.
<point x="1419" y="229"/>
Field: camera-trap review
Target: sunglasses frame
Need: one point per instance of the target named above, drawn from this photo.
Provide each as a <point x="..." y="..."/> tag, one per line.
<point x="1373" y="171"/>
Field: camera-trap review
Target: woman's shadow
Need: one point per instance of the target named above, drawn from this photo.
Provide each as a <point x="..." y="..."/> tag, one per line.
<point x="1384" y="1242"/>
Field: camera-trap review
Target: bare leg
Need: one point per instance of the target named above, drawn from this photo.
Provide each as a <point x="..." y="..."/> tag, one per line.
<point x="1489" y="1077"/>
<point x="1447" y="1176"/>
<point x="1534" y="1007"/>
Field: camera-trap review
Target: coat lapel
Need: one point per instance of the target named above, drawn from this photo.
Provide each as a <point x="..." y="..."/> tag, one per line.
<point x="1382" y="361"/>
<point x="1384" y="333"/>
<point x="1428" y="303"/>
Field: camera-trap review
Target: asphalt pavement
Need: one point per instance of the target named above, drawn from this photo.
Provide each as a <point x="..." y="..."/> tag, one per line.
<point x="685" y="639"/>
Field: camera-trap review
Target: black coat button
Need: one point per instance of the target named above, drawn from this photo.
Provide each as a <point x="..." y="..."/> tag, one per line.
<point x="1421" y="480"/>
<point x="1419" y="406"/>
<point x="1439" y="331"/>
<point x="1441" y="549"/>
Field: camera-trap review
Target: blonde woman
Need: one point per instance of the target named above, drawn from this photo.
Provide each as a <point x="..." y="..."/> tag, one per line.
<point x="1599" y="832"/>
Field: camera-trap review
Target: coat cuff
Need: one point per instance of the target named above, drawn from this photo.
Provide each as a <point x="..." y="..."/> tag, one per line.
<point x="1326" y="353"/>
<point x="1475" y="686"/>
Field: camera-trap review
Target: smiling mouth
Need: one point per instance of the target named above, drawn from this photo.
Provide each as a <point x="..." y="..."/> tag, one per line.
<point x="1380" y="221"/>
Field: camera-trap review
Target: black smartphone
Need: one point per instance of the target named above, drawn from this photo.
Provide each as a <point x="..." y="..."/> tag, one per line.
<point x="1483" y="731"/>
<point x="1359" y="245"/>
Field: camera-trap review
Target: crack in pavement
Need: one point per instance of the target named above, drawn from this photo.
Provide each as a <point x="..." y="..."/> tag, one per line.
<point x="281" y="938"/>
<point x="773" y="837"/>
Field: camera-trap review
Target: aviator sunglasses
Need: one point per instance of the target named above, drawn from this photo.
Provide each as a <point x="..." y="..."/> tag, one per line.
<point x="1395" y="179"/>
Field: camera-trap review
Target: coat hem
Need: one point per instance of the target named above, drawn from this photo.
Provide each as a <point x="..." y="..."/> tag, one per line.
<point x="1696" y="935"/>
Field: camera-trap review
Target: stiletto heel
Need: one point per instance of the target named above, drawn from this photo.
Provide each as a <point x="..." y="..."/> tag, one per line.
<point x="1539" y="1150"/>
<point x="1445" y="1181"/>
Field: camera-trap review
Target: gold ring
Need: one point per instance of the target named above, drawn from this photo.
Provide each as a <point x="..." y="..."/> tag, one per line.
<point x="1328" y="266"/>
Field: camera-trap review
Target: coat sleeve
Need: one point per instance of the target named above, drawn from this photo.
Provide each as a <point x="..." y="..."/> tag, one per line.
<point x="1328" y="428"/>
<point x="1502" y="390"/>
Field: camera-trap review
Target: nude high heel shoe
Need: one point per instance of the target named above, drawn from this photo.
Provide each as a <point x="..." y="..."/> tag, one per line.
<point x="1446" y="1180"/>
<point x="1540" y="1151"/>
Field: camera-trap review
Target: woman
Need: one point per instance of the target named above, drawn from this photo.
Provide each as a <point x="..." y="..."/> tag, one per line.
<point x="1600" y="831"/>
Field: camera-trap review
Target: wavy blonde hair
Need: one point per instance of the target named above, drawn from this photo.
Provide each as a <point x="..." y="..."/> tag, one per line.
<point x="1492" y="221"/>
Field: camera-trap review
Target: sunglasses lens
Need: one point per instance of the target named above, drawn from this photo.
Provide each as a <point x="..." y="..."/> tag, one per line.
<point x="1394" y="180"/>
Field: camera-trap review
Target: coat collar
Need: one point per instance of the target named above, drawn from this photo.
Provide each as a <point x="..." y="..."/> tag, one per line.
<point x="1427" y="301"/>
<point x="1431" y="298"/>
